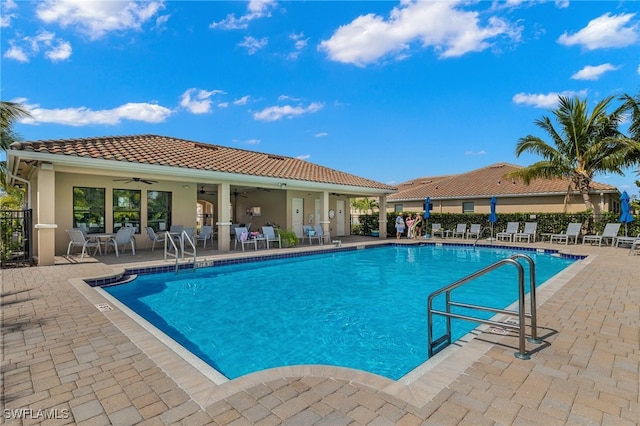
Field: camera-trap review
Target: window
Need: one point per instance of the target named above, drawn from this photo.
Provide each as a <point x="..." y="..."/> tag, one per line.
<point x="467" y="207"/>
<point x="88" y="209"/>
<point x="159" y="210"/>
<point x="126" y="209"/>
<point x="397" y="208"/>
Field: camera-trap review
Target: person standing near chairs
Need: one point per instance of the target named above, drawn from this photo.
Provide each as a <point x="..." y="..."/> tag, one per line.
<point x="417" y="227"/>
<point x="399" y="226"/>
<point x="410" y="225"/>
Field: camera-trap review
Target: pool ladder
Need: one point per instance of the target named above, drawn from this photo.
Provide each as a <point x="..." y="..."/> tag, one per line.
<point x="440" y="343"/>
<point x="169" y="244"/>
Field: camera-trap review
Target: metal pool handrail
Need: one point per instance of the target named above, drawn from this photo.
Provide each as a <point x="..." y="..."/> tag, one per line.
<point x="437" y="345"/>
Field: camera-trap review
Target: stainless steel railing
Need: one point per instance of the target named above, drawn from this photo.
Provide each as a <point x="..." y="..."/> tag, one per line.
<point x="440" y="343"/>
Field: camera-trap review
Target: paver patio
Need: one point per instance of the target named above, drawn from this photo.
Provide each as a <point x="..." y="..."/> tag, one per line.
<point x="62" y="357"/>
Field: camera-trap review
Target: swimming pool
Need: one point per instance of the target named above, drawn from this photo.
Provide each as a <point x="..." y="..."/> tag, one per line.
<point x="363" y="309"/>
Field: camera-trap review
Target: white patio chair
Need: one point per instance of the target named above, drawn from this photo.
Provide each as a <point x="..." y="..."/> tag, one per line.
<point x="123" y="237"/>
<point x="321" y="234"/>
<point x="206" y="233"/>
<point x="461" y="230"/>
<point x="270" y="236"/>
<point x="309" y="233"/>
<point x="436" y="228"/>
<point x="242" y="237"/>
<point x="507" y="234"/>
<point x="610" y="232"/>
<point x="78" y="239"/>
<point x="474" y="230"/>
<point x="155" y="238"/>
<point x="529" y="232"/>
<point x="573" y="231"/>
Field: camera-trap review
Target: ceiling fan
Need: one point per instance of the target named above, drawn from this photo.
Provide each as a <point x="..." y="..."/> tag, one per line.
<point x="203" y="192"/>
<point x="136" y="179"/>
<point x="236" y="193"/>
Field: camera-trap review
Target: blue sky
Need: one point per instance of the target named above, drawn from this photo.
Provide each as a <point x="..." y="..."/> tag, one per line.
<point x="385" y="90"/>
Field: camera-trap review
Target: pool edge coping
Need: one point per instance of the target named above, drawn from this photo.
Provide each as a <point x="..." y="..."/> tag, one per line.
<point x="205" y="385"/>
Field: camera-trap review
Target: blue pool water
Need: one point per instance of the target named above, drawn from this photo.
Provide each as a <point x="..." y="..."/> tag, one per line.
<point x="363" y="309"/>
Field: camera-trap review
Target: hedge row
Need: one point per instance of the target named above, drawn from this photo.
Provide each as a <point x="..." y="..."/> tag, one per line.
<point x="547" y="222"/>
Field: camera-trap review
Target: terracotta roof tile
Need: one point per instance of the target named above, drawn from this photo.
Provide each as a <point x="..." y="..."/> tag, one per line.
<point x="174" y="152"/>
<point x="487" y="181"/>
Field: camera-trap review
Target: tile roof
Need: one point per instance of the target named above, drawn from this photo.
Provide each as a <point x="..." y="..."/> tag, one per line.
<point x="487" y="181"/>
<point x="174" y="152"/>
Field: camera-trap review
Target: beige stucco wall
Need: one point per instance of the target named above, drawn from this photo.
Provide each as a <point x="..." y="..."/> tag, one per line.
<point x="183" y="210"/>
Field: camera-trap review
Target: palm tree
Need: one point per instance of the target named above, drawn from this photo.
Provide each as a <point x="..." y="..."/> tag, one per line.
<point x="584" y="144"/>
<point x="9" y="113"/>
<point x="632" y="105"/>
<point x="364" y="204"/>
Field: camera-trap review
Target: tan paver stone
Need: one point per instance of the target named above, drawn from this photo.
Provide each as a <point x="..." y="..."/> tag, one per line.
<point x="125" y="417"/>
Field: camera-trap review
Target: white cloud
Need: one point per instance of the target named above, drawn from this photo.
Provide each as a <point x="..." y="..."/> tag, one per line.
<point x="242" y="101"/>
<point x="55" y="48"/>
<point x="482" y="152"/>
<point x="253" y="44"/>
<point x="97" y="18"/>
<point x="593" y="72"/>
<point x="638" y="69"/>
<point x="288" y="98"/>
<point x="198" y="101"/>
<point x="83" y="116"/>
<point x="604" y="32"/>
<point x="303" y="157"/>
<point x="321" y="134"/>
<point x="549" y="100"/>
<point x="299" y="43"/>
<point x="16" y="53"/>
<point x="275" y="113"/>
<point x="450" y="32"/>
<point x="253" y="142"/>
<point x="5" y="16"/>
<point x="255" y="9"/>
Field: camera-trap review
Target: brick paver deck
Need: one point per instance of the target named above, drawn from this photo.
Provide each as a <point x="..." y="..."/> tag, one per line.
<point x="64" y="361"/>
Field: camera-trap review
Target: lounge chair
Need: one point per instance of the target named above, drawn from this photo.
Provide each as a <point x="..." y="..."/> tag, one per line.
<point x="309" y="233"/>
<point x="123" y="237"/>
<point x="270" y="236"/>
<point x="242" y="237"/>
<point x="573" y="231"/>
<point x="205" y="234"/>
<point x="78" y="239"/>
<point x="529" y="232"/>
<point x="320" y="233"/>
<point x="635" y="246"/>
<point x="610" y="232"/>
<point x="626" y="240"/>
<point x="474" y="230"/>
<point x="460" y="230"/>
<point x="507" y="234"/>
<point x="436" y="228"/>
<point x="156" y="238"/>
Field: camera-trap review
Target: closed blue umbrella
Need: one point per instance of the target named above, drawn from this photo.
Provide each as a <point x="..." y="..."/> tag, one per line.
<point x="493" y="217"/>
<point x="625" y="217"/>
<point x="427" y="213"/>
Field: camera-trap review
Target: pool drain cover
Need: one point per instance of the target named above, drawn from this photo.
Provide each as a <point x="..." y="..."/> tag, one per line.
<point x="103" y="307"/>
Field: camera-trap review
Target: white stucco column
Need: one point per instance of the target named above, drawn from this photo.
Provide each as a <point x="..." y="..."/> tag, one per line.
<point x="224" y="217"/>
<point x="382" y="217"/>
<point x="325" y="222"/>
<point x="46" y="216"/>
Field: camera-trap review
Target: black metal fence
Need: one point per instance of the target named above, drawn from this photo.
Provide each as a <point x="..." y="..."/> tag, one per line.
<point x="16" y="242"/>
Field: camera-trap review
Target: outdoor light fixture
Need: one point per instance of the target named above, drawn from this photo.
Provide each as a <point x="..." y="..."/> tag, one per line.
<point x="282" y="185"/>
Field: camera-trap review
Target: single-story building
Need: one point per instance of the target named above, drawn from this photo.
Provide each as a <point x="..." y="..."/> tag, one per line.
<point x="103" y="183"/>
<point x="471" y="192"/>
